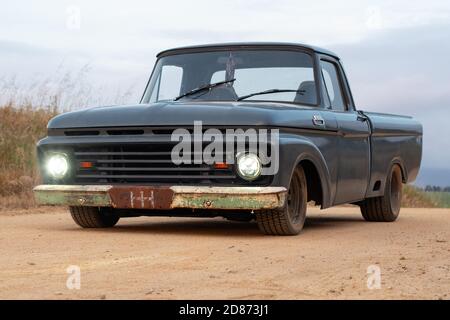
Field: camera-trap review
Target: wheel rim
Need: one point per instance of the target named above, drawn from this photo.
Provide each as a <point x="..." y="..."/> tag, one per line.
<point x="294" y="199"/>
<point x="396" y="191"/>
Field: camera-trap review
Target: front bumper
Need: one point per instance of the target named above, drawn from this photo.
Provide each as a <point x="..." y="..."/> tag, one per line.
<point x="162" y="197"/>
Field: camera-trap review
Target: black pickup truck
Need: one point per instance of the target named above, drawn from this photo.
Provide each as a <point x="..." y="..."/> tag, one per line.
<point x="296" y="136"/>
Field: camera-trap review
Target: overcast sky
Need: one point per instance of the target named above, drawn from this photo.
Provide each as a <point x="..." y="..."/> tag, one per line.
<point x="396" y="52"/>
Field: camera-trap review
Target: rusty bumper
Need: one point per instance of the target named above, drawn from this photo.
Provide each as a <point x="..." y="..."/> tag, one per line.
<point x="161" y="197"/>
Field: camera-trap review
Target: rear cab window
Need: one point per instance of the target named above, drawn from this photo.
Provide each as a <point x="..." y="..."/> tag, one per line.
<point x="333" y="85"/>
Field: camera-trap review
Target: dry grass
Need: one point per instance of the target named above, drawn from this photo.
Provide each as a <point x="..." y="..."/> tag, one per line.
<point x="25" y="108"/>
<point x="20" y="129"/>
<point x="415" y="198"/>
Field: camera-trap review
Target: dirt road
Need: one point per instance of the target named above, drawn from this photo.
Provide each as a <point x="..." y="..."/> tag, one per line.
<point x="159" y="258"/>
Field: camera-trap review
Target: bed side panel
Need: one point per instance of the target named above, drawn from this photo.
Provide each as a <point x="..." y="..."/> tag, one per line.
<point x="395" y="139"/>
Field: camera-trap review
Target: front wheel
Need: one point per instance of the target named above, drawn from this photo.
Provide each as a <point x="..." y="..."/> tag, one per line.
<point x="290" y="219"/>
<point x="93" y="217"/>
<point x="387" y="207"/>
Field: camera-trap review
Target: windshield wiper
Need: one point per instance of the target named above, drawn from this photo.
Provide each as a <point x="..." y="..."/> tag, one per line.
<point x="269" y="92"/>
<point x="206" y="87"/>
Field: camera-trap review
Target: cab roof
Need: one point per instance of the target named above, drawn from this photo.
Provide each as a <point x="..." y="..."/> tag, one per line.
<point x="243" y="45"/>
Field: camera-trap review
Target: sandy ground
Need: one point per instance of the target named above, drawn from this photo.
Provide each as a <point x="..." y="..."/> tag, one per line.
<point x="173" y="258"/>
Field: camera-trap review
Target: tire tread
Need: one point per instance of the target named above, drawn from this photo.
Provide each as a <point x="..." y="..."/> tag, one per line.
<point x="92" y="217"/>
<point x="276" y="222"/>
<point x="378" y="209"/>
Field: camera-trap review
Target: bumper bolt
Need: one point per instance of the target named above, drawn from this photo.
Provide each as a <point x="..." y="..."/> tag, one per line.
<point x="207" y="203"/>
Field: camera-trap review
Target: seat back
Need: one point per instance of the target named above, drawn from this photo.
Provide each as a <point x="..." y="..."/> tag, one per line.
<point x="308" y="94"/>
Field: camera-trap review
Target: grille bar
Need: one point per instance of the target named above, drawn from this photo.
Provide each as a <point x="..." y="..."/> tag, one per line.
<point x="149" y="153"/>
<point x="123" y="176"/>
<point x="152" y="169"/>
<point x="134" y="161"/>
<point x="119" y="153"/>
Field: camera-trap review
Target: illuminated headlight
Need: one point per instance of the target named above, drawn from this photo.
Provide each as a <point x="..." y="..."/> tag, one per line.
<point x="248" y="166"/>
<point x="57" y="165"/>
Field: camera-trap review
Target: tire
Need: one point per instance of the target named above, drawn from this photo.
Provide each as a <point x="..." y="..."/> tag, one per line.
<point x="387" y="207"/>
<point x="93" y="217"/>
<point x="290" y="219"/>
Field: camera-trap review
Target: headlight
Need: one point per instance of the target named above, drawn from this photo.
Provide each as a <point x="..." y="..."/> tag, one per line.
<point x="248" y="166"/>
<point x="57" y="165"/>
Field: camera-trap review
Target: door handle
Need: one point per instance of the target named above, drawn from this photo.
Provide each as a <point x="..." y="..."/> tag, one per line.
<point x="361" y="118"/>
<point x="318" y="120"/>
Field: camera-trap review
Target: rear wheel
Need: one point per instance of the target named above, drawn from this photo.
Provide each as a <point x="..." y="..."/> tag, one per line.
<point x="93" y="217"/>
<point x="387" y="207"/>
<point x="290" y="219"/>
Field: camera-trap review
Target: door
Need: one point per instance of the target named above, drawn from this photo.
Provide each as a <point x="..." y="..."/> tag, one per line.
<point x="353" y="149"/>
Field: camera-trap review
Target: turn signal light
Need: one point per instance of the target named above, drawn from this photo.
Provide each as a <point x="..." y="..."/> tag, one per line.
<point x="221" y="165"/>
<point x="86" y="164"/>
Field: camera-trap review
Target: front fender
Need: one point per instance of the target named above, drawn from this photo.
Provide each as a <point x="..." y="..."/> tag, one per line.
<point x="292" y="150"/>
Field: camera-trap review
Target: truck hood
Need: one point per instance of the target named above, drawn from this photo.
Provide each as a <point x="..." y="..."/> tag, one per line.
<point x="184" y="114"/>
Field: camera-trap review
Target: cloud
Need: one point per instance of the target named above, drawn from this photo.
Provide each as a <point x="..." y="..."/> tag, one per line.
<point x="405" y="71"/>
<point x="407" y="66"/>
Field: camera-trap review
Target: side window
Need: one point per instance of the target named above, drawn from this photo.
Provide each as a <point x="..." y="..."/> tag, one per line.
<point x="171" y="77"/>
<point x="333" y="86"/>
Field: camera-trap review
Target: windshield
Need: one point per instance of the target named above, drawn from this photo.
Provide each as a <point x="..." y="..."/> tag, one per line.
<point x="253" y="75"/>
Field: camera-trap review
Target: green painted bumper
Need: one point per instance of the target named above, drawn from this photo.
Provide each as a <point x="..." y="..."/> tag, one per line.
<point x="157" y="197"/>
